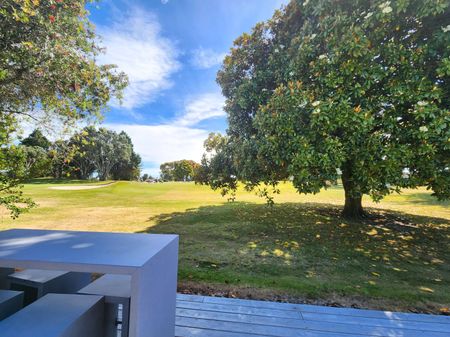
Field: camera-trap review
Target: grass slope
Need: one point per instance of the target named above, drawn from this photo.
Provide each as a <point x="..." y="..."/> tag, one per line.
<point x="300" y="248"/>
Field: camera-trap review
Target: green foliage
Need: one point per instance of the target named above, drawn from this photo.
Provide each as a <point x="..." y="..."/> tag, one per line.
<point x="216" y="167"/>
<point x="36" y="138"/>
<point x="47" y="60"/>
<point x="81" y="166"/>
<point x="127" y="169"/>
<point x="109" y="153"/>
<point x="181" y="170"/>
<point x="12" y="172"/>
<point x="104" y="149"/>
<point x="352" y="90"/>
<point x="35" y="160"/>
<point x="61" y="153"/>
<point x="47" y="70"/>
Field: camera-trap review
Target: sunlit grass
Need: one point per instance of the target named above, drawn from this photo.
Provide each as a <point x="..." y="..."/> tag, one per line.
<point x="301" y="246"/>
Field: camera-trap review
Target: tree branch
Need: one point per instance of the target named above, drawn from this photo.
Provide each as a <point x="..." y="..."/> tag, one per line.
<point x="23" y="114"/>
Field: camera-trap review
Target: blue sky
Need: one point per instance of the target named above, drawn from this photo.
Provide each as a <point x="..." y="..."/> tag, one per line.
<point x="171" y="51"/>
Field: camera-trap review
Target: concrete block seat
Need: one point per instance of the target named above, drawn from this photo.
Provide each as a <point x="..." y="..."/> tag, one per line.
<point x="35" y="283"/>
<point x="117" y="292"/>
<point x="57" y="315"/>
<point x="10" y="302"/>
<point x="4" y="272"/>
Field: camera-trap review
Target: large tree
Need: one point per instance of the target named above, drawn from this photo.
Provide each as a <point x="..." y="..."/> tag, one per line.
<point x="180" y="170"/>
<point x="105" y="149"/>
<point x="48" y="69"/>
<point x="127" y="169"/>
<point x="61" y="153"/>
<point x="355" y="90"/>
<point x="36" y="161"/>
<point x="82" y="166"/>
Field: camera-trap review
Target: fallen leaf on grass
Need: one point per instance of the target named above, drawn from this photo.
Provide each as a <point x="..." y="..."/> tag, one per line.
<point x="437" y="261"/>
<point x="372" y="232"/>
<point x="251" y="245"/>
<point x="278" y="252"/>
<point x="427" y="290"/>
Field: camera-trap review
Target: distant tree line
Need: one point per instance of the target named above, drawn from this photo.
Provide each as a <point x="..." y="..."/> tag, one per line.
<point x="106" y="153"/>
<point x="180" y="170"/>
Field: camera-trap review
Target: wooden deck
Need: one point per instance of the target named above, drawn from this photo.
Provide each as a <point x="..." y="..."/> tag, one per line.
<point x="202" y="316"/>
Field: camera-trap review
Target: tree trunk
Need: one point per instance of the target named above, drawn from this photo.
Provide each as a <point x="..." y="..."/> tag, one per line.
<point x="353" y="207"/>
<point x="353" y="199"/>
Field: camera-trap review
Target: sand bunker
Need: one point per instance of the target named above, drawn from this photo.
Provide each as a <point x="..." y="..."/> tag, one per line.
<point x="78" y="187"/>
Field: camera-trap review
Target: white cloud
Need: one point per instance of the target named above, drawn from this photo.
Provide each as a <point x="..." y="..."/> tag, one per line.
<point x="202" y="107"/>
<point x="135" y="44"/>
<point x="179" y="139"/>
<point x="204" y="58"/>
<point x="164" y="2"/>
<point x="162" y="143"/>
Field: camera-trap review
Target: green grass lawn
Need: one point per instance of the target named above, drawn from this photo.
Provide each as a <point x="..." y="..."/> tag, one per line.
<point x="300" y="249"/>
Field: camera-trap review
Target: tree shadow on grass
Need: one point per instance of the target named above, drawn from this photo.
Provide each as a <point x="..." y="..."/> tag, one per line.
<point x="309" y="248"/>
<point x="298" y="216"/>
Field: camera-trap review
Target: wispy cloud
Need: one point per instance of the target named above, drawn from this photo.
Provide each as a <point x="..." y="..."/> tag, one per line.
<point x="202" y="107"/>
<point x="135" y="44"/>
<point x="204" y="58"/>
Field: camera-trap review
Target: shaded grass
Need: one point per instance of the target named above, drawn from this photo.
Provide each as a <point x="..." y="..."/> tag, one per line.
<point x="309" y="250"/>
<point x="300" y="247"/>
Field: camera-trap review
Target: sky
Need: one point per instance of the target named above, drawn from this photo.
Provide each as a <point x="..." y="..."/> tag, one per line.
<point x="171" y="50"/>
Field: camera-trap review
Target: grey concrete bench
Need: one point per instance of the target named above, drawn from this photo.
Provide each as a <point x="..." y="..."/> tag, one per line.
<point x="10" y="302"/>
<point x="57" y="315"/>
<point x="117" y="292"/>
<point x="4" y="272"/>
<point x="36" y="283"/>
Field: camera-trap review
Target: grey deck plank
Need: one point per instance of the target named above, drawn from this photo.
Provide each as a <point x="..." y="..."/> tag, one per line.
<point x="324" y="309"/>
<point x="266" y="330"/>
<point x="322" y="317"/>
<point x="244" y="318"/>
<point x="360" y="330"/>
<point x="401" y="316"/>
<point x="205" y="316"/>
<point x="262" y="330"/>
<point x="251" y="303"/>
<point x="182" y="331"/>
<point x="238" y="309"/>
<point x="192" y="298"/>
<point x="369" y="321"/>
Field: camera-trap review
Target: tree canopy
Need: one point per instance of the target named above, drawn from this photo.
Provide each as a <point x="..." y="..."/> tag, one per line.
<point x="326" y="90"/>
<point x="108" y="153"/>
<point x="48" y="70"/>
<point x="36" y="138"/>
<point x="36" y="161"/>
<point x="180" y="170"/>
<point x="90" y="151"/>
<point x="127" y="168"/>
